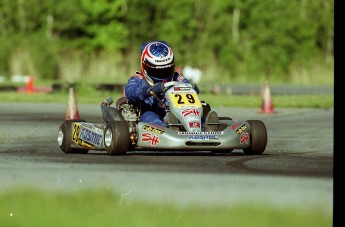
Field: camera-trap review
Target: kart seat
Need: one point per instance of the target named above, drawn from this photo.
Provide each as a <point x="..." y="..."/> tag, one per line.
<point x="120" y="102"/>
<point x="206" y="108"/>
<point x="124" y="106"/>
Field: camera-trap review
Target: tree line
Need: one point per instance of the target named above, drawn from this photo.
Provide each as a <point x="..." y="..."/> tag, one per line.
<point x="248" y="38"/>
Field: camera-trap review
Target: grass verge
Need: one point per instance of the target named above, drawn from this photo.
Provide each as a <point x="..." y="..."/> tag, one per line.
<point x="32" y="207"/>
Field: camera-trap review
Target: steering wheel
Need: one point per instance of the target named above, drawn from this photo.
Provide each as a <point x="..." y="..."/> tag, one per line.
<point x="173" y="83"/>
<point x="169" y="84"/>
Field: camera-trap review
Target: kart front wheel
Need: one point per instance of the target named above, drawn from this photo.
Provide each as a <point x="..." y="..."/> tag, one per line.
<point x="258" y="138"/>
<point x="65" y="137"/>
<point x="116" y="138"/>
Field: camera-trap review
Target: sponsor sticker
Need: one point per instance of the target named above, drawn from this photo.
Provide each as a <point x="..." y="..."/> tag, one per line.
<point x="241" y="129"/>
<point x="201" y="133"/>
<point x="203" y="137"/>
<point x="92" y="127"/>
<point x="244" y="138"/>
<point x="187" y="112"/>
<point x="91" y="136"/>
<point x="163" y="60"/>
<point x="194" y="124"/>
<point x="181" y="88"/>
<point x="148" y="137"/>
<point x="153" y="129"/>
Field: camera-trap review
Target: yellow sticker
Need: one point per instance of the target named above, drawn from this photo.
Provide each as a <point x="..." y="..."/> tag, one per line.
<point x="185" y="100"/>
<point x="76" y="130"/>
<point x="77" y="140"/>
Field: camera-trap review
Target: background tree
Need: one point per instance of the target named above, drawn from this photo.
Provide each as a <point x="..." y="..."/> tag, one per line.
<point x="280" y="41"/>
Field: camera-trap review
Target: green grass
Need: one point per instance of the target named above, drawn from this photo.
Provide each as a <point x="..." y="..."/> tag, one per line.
<point x="89" y="95"/>
<point x="30" y="207"/>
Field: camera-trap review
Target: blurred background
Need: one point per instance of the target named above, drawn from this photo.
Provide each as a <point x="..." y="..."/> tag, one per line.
<point x="224" y="41"/>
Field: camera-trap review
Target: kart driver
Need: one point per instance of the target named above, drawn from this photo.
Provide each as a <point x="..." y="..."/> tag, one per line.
<point x="157" y="67"/>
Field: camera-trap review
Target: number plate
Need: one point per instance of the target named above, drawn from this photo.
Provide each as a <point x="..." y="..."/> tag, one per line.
<point x="185" y="100"/>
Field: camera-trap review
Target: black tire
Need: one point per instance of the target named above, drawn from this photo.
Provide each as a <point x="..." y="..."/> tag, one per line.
<point x="65" y="138"/>
<point x="258" y="138"/>
<point x="116" y="138"/>
<point x="111" y="114"/>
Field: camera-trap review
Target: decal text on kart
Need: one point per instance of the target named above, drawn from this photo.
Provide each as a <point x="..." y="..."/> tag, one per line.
<point x="153" y="129"/>
<point x="148" y="137"/>
<point x="203" y="137"/>
<point x="241" y="129"/>
<point x="83" y="134"/>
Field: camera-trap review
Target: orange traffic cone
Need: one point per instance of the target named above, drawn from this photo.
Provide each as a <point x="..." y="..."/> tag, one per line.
<point x="267" y="104"/>
<point x="30" y="85"/>
<point x="72" y="109"/>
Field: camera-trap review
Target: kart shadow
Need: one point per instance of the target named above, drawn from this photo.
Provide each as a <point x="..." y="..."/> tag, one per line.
<point x="186" y="153"/>
<point x="234" y="153"/>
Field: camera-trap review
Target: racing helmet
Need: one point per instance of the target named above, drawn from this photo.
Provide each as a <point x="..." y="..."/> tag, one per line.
<point x="157" y="62"/>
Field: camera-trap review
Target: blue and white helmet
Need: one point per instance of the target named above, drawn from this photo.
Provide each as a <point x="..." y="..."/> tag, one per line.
<point x="157" y="62"/>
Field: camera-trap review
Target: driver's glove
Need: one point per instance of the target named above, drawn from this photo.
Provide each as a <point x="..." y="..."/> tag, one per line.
<point x="158" y="89"/>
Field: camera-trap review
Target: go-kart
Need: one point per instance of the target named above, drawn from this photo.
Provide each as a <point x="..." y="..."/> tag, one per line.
<point x="192" y="126"/>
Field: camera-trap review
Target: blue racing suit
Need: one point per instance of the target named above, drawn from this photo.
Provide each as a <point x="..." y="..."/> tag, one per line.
<point x="136" y="92"/>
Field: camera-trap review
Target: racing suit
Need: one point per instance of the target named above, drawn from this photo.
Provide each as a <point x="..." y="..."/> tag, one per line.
<point x="151" y="110"/>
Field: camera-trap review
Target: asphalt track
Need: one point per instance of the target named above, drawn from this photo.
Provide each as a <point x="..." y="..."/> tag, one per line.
<point x="296" y="170"/>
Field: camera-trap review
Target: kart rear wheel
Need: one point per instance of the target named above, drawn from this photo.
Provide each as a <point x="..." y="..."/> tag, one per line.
<point x="258" y="138"/>
<point x="65" y="138"/>
<point x="116" y="138"/>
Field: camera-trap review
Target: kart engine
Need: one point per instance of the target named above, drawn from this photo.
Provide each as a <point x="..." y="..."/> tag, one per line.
<point x="131" y="115"/>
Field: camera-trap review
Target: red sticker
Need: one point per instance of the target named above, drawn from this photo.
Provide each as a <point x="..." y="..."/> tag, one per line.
<point x="194" y="124"/>
<point x="149" y="137"/>
<point x="186" y="112"/>
<point x="244" y="138"/>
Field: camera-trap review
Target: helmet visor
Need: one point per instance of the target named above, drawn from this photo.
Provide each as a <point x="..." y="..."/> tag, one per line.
<point x="161" y="71"/>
